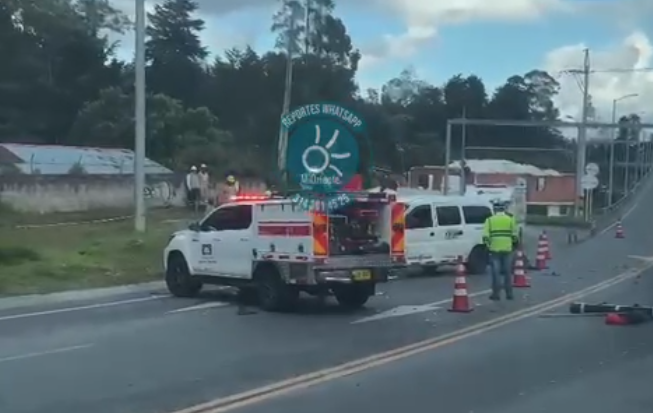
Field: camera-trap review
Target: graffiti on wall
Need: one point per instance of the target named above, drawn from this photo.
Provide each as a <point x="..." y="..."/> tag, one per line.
<point x="162" y="191"/>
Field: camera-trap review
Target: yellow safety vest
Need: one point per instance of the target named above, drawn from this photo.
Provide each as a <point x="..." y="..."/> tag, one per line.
<point x="499" y="232"/>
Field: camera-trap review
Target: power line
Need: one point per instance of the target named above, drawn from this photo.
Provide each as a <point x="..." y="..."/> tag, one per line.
<point x="615" y="70"/>
<point x="632" y="70"/>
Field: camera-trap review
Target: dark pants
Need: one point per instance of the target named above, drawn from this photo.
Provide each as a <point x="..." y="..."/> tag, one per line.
<point x="194" y="195"/>
<point x="500" y="267"/>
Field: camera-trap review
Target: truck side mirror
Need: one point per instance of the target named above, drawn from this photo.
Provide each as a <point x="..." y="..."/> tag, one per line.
<point x="194" y="226"/>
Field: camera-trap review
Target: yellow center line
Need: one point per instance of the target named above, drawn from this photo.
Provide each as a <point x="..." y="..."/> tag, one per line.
<point x="304" y="381"/>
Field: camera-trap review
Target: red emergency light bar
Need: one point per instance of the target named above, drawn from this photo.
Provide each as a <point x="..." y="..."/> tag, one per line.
<point x="239" y="198"/>
<point x="357" y="196"/>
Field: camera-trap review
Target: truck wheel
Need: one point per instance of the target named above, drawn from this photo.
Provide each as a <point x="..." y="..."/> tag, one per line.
<point x="178" y="278"/>
<point x="273" y="293"/>
<point x="352" y="297"/>
<point x="477" y="261"/>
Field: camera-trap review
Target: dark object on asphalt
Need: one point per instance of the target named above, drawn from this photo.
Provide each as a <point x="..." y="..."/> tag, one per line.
<point x="605" y="308"/>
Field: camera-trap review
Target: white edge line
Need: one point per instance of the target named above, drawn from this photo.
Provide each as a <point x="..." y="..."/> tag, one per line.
<point x="45" y="353"/>
<point x="435" y="306"/>
<point x="81" y="308"/>
<point x="624" y="216"/>
<point x="204" y="306"/>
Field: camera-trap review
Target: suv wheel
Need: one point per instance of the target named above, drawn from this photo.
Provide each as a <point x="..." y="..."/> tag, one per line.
<point x="179" y="280"/>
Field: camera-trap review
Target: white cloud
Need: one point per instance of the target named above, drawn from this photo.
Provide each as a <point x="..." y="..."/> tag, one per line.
<point x="212" y="7"/>
<point x="214" y="36"/>
<point x="396" y="47"/>
<point x="633" y="53"/>
<point x="419" y="12"/>
<point x="423" y="18"/>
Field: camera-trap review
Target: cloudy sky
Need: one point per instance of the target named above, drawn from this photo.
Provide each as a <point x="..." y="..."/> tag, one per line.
<point x="492" y="39"/>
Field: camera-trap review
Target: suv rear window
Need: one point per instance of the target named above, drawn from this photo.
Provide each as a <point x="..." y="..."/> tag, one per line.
<point x="476" y="214"/>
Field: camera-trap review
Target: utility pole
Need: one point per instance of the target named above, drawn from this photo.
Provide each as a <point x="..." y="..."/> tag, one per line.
<point x="463" y="161"/>
<point x="287" y="93"/>
<point x="307" y="27"/>
<point x="139" y="115"/>
<point x="613" y="137"/>
<point x="582" y="131"/>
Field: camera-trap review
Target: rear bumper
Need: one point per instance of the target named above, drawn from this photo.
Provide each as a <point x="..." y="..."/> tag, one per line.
<point x="351" y="275"/>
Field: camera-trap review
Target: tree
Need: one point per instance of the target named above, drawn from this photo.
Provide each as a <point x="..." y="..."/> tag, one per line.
<point x="52" y="63"/>
<point x="175" y="52"/>
<point x="60" y="83"/>
<point x="289" y="25"/>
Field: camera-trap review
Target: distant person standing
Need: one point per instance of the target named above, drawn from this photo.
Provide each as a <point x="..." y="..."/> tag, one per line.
<point x="193" y="191"/>
<point x="204" y="183"/>
<point x="501" y="236"/>
<point x="230" y="188"/>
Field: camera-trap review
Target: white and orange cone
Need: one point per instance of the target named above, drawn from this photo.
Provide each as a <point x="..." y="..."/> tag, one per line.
<point x="461" y="302"/>
<point x="619" y="231"/>
<point x="540" y="258"/>
<point x="547" y="246"/>
<point x="519" y="278"/>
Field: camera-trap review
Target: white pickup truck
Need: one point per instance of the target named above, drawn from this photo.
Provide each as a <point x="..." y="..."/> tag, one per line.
<point x="276" y="249"/>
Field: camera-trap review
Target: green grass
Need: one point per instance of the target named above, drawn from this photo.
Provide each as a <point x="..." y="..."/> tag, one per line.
<point x="56" y="258"/>
<point x="569" y="222"/>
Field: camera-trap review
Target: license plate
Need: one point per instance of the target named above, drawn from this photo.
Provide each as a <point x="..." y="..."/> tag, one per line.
<point x="362" y="275"/>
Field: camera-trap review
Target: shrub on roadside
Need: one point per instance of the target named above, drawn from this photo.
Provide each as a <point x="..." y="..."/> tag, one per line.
<point x="17" y="255"/>
<point x="569" y="222"/>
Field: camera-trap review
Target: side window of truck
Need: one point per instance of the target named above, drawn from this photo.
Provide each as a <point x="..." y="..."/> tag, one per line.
<point x="420" y="217"/>
<point x="234" y="217"/>
<point x="476" y="214"/>
<point x="448" y="216"/>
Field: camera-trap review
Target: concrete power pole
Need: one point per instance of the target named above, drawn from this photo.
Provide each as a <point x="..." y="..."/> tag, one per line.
<point x="582" y="132"/>
<point x="139" y="146"/>
<point x="287" y="93"/>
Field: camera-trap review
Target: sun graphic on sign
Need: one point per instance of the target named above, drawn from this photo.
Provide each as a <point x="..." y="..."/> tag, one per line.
<point x="324" y="152"/>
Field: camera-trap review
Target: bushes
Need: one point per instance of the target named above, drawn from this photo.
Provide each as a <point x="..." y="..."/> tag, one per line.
<point x="17" y="255"/>
<point x="563" y="221"/>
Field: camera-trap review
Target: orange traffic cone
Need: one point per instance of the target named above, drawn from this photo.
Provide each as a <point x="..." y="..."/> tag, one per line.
<point x="545" y="243"/>
<point x="619" y="232"/>
<point x="519" y="278"/>
<point x="540" y="258"/>
<point x="460" y="302"/>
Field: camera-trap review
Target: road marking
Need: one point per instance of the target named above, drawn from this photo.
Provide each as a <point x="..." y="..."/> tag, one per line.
<point x="624" y="216"/>
<point x="642" y="258"/>
<point x="203" y="306"/>
<point x="284" y="387"/>
<point x="81" y="308"/>
<point x="403" y="310"/>
<point x="399" y="311"/>
<point x="44" y="353"/>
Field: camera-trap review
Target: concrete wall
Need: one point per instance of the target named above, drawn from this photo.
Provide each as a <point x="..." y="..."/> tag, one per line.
<point x="68" y="193"/>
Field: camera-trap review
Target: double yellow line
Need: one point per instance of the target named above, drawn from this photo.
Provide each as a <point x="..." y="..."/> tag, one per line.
<point x="280" y="388"/>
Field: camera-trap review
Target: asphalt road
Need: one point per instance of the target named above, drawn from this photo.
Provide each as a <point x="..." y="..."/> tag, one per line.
<point x="145" y="352"/>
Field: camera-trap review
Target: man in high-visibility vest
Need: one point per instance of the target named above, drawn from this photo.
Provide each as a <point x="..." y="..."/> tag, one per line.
<point x="501" y="236"/>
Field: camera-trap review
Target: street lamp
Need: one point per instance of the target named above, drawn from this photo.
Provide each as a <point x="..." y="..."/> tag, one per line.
<point x="613" y="137"/>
